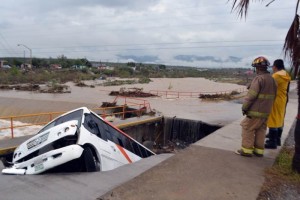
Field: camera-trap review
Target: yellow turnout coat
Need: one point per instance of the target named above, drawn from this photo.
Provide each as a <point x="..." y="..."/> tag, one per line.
<point x="276" y="118"/>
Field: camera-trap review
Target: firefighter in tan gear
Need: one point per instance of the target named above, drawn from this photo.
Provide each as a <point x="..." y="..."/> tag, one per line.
<point x="257" y="106"/>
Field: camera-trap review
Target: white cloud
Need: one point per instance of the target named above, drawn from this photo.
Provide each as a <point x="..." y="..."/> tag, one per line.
<point x="163" y="29"/>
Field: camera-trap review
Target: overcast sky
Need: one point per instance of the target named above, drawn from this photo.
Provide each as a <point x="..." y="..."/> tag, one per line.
<point x="201" y="33"/>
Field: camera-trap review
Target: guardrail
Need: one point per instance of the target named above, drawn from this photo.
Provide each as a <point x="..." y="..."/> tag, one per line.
<point x="140" y="106"/>
<point x="141" y="103"/>
<point x="49" y="115"/>
<point x="177" y="94"/>
<point x="174" y="93"/>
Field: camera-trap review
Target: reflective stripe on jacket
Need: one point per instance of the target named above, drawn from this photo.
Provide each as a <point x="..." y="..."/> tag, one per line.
<point x="260" y="97"/>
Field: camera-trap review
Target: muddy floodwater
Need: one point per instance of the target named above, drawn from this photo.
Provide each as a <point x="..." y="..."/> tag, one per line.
<point x="221" y="112"/>
<point x="26" y="130"/>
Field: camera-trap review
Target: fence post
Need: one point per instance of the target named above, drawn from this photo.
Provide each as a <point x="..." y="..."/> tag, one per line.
<point x="124" y="111"/>
<point x="12" y="127"/>
<point x="104" y="113"/>
<point x="140" y="111"/>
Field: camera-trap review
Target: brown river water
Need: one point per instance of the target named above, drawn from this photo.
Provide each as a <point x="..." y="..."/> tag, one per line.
<point x="23" y="102"/>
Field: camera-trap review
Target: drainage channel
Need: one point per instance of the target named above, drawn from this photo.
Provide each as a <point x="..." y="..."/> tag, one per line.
<point x="170" y="134"/>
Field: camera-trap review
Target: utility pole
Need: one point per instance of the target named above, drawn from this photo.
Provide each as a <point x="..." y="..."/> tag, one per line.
<point x="24" y="60"/>
<point x="29" y="51"/>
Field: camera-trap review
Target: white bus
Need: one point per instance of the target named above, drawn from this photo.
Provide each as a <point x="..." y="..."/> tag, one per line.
<point x="79" y="140"/>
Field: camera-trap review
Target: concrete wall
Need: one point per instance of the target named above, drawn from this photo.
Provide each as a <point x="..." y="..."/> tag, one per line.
<point x="185" y="130"/>
<point x="171" y="130"/>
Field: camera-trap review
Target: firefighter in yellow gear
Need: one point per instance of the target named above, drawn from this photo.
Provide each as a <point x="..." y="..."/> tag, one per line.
<point x="276" y="118"/>
<point x="257" y="106"/>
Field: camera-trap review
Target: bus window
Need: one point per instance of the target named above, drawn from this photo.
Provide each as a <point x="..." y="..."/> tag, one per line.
<point x="88" y="123"/>
<point x="114" y="134"/>
<point x="102" y="133"/>
<point x="120" y="142"/>
<point x="93" y="125"/>
<point x="76" y="115"/>
<point x="127" y="144"/>
<point x="124" y="141"/>
<point x="144" y="152"/>
<point x="106" y="130"/>
<point x="136" y="149"/>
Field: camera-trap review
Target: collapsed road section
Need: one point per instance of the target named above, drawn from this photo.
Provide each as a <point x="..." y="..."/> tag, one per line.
<point x="79" y="140"/>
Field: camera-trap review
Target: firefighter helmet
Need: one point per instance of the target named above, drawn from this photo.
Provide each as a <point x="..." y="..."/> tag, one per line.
<point x="260" y="62"/>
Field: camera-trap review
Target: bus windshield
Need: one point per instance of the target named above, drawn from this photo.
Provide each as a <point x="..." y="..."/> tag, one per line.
<point x="76" y="115"/>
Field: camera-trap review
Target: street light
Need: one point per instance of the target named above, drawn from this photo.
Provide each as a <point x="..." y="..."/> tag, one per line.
<point x="29" y="51"/>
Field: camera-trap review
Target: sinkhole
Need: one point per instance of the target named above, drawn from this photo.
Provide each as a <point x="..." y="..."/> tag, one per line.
<point x="170" y="133"/>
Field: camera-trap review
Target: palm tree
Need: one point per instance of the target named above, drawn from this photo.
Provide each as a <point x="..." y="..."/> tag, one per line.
<point x="291" y="49"/>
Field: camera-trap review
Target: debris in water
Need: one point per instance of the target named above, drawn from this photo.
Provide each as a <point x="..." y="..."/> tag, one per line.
<point x="131" y="92"/>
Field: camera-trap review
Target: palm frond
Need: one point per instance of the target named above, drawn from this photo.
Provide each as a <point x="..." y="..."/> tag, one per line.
<point x="291" y="46"/>
<point x="241" y="7"/>
<point x="270" y="3"/>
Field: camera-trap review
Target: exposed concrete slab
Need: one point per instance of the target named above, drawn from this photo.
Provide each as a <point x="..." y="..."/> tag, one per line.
<point x="197" y="173"/>
<point x="75" y="186"/>
<point x="226" y="138"/>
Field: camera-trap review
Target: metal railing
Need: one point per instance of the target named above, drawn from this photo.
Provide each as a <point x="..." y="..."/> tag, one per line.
<point x="130" y="101"/>
<point x="177" y="94"/>
<point x="140" y="106"/>
<point x="49" y="115"/>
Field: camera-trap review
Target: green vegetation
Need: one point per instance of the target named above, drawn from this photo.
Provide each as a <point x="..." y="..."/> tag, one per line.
<point x="144" y="80"/>
<point x="63" y="70"/>
<point x="41" y="76"/>
<point x="127" y="82"/>
<point x="281" y="182"/>
<point x="55" y="87"/>
<point x="283" y="166"/>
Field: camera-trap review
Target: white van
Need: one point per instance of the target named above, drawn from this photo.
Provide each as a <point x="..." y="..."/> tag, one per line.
<point x="79" y="140"/>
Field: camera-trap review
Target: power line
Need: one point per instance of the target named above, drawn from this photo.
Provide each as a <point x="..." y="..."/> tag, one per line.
<point x="157" y="48"/>
<point x="158" y="43"/>
<point x="6" y="45"/>
<point x="70" y="49"/>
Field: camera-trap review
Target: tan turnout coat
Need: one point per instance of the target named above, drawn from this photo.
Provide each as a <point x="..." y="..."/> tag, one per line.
<point x="260" y="97"/>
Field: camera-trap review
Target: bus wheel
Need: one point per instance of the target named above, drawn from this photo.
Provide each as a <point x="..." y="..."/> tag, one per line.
<point x="89" y="160"/>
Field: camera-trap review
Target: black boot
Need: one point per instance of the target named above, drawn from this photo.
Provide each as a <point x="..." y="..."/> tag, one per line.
<point x="279" y="133"/>
<point x="272" y="142"/>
